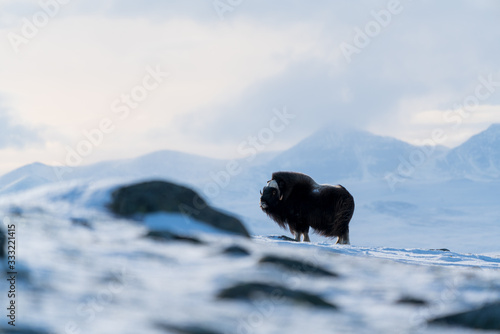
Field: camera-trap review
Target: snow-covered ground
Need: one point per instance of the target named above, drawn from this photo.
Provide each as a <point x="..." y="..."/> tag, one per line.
<point x="83" y="270"/>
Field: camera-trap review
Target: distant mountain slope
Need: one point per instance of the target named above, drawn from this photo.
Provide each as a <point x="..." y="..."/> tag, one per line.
<point x="183" y="167"/>
<point x="329" y="155"/>
<point x="478" y="157"/>
<point x="161" y="164"/>
<point x="339" y="154"/>
<point x="26" y="177"/>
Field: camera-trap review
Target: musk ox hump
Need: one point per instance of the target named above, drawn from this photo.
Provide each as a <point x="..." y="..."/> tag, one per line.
<point x="287" y="181"/>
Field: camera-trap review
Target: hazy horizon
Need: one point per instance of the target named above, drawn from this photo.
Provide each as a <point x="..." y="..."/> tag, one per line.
<point x="235" y="156"/>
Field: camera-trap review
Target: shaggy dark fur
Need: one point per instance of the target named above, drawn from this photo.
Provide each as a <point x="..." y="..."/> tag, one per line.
<point x="297" y="201"/>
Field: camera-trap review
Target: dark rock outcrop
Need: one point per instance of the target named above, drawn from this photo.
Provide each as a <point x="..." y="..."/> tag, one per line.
<point x="296" y="266"/>
<point x="254" y="290"/>
<point x="487" y="317"/>
<point x="236" y="250"/>
<point x="81" y="222"/>
<point x="409" y="300"/>
<point x="189" y="329"/>
<point x="168" y="236"/>
<point x="162" y="196"/>
<point x="3" y="241"/>
<point x="281" y="237"/>
<point x="22" y="330"/>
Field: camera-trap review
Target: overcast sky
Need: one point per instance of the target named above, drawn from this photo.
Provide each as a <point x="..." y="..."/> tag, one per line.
<point x="205" y="76"/>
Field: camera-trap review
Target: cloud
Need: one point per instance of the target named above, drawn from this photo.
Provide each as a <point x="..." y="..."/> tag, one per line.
<point x="409" y="67"/>
<point x="71" y="92"/>
<point x="228" y="75"/>
<point x="16" y="135"/>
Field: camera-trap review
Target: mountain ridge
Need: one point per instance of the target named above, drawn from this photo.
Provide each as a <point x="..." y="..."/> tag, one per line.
<point x="344" y="154"/>
<point x="478" y="157"/>
<point x="328" y="154"/>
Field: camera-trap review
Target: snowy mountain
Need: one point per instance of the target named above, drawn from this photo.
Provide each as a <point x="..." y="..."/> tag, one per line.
<point x="165" y="164"/>
<point x="477" y="158"/>
<point x="27" y="177"/>
<point x="333" y="154"/>
<point x="162" y="164"/>
<point x="330" y="155"/>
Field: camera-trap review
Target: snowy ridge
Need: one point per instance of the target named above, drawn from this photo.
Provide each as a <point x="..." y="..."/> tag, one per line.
<point x="477" y="158"/>
<point x="26" y="177"/>
<point x="344" y="154"/>
<point x="421" y="256"/>
<point x="438" y="257"/>
<point x="330" y="155"/>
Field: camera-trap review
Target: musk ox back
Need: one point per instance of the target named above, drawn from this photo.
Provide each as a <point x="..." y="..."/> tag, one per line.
<point x="296" y="200"/>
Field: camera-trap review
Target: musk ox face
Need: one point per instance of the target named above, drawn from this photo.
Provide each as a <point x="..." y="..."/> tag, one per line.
<point x="270" y="195"/>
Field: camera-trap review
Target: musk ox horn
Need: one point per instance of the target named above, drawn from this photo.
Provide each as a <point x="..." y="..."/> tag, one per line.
<point x="274" y="184"/>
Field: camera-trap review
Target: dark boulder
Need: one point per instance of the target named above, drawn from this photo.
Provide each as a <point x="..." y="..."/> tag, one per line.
<point x="253" y="290"/>
<point x="81" y="222"/>
<point x="162" y="196"/>
<point x="236" y="250"/>
<point x="3" y="239"/>
<point x="409" y="300"/>
<point x="22" y="330"/>
<point x="297" y="266"/>
<point x="168" y="236"/>
<point x="487" y="317"/>
<point x="189" y="329"/>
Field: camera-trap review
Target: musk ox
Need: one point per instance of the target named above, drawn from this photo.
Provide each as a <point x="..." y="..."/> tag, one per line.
<point x="296" y="200"/>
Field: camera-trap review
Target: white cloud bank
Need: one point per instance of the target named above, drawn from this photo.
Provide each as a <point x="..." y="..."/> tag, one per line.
<point x="225" y="77"/>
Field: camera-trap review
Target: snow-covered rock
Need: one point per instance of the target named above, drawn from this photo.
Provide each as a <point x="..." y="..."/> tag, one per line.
<point x="166" y="206"/>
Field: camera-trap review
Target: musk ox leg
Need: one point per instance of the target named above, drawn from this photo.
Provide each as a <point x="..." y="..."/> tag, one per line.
<point x="301" y="230"/>
<point x="297" y="236"/>
<point x="343" y="239"/>
<point x="343" y="215"/>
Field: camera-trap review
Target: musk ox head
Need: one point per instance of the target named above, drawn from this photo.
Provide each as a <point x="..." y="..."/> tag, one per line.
<point x="270" y="195"/>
